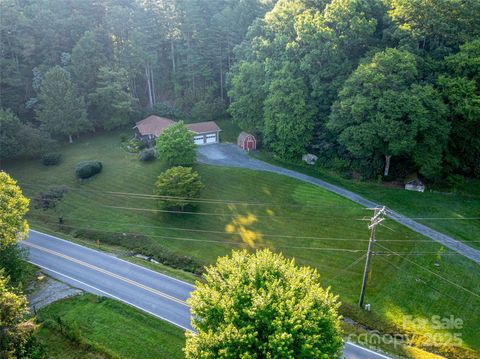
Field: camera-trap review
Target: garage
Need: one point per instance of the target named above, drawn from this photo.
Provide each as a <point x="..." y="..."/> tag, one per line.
<point x="211" y="138"/>
<point x="204" y="132"/>
<point x="198" y="140"/>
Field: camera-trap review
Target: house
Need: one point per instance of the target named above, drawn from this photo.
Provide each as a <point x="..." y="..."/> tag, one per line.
<point x="247" y="141"/>
<point x="153" y="126"/>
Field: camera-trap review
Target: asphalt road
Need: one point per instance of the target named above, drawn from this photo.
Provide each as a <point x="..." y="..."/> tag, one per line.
<point x="103" y="274"/>
<point x="229" y="155"/>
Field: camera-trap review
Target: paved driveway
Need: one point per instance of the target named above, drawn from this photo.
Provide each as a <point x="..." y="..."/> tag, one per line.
<point x="229" y="155"/>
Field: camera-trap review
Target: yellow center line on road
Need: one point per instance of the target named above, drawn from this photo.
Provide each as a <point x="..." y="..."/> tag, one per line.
<point x="101" y="270"/>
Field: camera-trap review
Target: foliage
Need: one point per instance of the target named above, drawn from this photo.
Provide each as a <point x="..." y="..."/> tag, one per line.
<point x="61" y="110"/>
<point x="50" y="198"/>
<point x="13" y="207"/>
<point x="164" y="109"/>
<point x="51" y="159"/>
<point x="382" y="111"/>
<point x="88" y="169"/>
<point x="13" y="260"/>
<point x="15" y="330"/>
<point x="175" y="145"/>
<point x="288" y="116"/>
<point x="20" y="140"/>
<point x="177" y="186"/>
<point x="247" y="92"/>
<point x="112" y="98"/>
<point x="147" y="155"/>
<point x="262" y="304"/>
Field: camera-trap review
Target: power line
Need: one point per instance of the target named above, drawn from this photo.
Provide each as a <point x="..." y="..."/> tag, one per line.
<point x="432" y="272"/>
<point x="409" y="241"/>
<point x="219" y="242"/>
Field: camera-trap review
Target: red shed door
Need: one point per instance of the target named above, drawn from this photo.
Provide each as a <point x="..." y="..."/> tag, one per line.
<point x="250" y="144"/>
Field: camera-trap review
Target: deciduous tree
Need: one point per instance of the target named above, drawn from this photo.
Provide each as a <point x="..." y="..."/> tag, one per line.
<point x="175" y="145"/>
<point x="177" y="186"/>
<point x="262" y="305"/>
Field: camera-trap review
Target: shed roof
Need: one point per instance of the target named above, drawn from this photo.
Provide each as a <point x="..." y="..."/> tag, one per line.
<point x="203" y="127"/>
<point x="153" y="125"/>
<point x="243" y="135"/>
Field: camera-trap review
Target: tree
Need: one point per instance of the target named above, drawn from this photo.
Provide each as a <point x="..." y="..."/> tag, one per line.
<point x="175" y="145"/>
<point x="461" y="89"/>
<point x="177" y="186"/>
<point x="382" y="111"/>
<point x="114" y="103"/>
<point x="61" y="110"/>
<point x="288" y="115"/>
<point x="15" y="330"/>
<point x="262" y="305"/>
<point x="13" y="207"/>
<point x="21" y="140"/>
<point x="247" y="93"/>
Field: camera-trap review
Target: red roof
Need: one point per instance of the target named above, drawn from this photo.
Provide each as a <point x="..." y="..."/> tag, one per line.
<point x="203" y="127"/>
<point x="153" y="125"/>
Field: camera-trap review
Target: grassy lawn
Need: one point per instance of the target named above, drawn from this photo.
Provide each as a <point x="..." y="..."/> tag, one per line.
<point x="95" y="327"/>
<point x="450" y="213"/>
<point x="248" y="209"/>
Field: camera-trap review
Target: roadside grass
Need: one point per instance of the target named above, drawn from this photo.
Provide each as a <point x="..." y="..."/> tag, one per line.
<point x="97" y="327"/>
<point x="449" y="211"/>
<point x="248" y="209"/>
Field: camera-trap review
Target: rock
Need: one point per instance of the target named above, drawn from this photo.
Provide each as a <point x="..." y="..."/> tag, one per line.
<point x="141" y="256"/>
<point x="154" y="261"/>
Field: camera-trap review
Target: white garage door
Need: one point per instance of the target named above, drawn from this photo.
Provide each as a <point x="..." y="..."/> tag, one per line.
<point x="198" y="140"/>
<point x="211" y="138"/>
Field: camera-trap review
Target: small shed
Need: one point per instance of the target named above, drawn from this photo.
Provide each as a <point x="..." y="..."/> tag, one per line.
<point x="414" y="183"/>
<point x="247" y="141"/>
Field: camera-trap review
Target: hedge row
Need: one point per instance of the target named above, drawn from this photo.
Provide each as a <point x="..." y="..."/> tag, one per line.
<point x="88" y="169"/>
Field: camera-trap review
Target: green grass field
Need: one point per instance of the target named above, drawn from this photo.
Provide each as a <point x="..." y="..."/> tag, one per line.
<point x="456" y="214"/>
<point x="247" y="209"/>
<point x="104" y="327"/>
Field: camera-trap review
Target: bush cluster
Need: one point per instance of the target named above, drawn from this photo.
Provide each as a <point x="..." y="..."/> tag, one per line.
<point x="142" y="244"/>
<point x="51" y="159"/>
<point x="88" y="169"/>
<point x="50" y="198"/>
<point x="147" y="155"/>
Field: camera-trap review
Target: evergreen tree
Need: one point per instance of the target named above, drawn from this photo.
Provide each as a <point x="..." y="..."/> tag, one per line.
<point x="61" y="111"/>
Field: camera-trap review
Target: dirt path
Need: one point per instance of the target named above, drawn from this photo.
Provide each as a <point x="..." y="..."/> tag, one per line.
<point x="231" y="156"/>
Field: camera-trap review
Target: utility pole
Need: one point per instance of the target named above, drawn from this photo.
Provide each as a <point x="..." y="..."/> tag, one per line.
<point x="374" y="222"/>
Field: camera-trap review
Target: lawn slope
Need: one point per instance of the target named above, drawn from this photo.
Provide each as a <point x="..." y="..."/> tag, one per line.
<point x="410" y="275"/>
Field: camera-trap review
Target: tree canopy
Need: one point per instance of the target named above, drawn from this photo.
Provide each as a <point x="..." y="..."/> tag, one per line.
<point x="13" y="207"/>
<point x="262" y="305"/>
<point x="175" y="145"/>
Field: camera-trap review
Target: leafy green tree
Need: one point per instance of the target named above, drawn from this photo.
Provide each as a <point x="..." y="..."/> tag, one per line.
<point x="262" y="305"/>
<point x="175" y="145"/>
<point x="9" y="125"/>
<point x="177" y="186"/>
<point x="436" y="26"/>
<point x="247" y="93"/>
<point x="61" y="110"/>
<point x="461" y="89"/>
<point x="88" y="56"/>
<point x="15" y="330"/>
<point x="288" y="115"/>
<point x="381" y="111"/>
<point x="13" y="207"/>
<point x="114" y="103"/>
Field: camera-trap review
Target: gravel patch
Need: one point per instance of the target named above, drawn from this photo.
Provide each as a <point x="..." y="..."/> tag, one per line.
<point x="46" y="290"/>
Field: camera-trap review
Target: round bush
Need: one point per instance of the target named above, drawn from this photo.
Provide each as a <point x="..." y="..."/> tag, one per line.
<point x="147" y="154"/>
<point x="51" y="159"/>
<point x="88" y="169"/>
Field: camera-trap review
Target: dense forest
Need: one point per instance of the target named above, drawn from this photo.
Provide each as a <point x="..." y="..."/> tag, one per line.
<point x="373" y="87"/>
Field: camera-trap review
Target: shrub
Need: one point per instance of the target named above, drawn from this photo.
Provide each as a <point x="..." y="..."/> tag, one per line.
<point x="177" y="186"/>
<point x="50" y="198"/>
<point x="51" y="159"/>
<point x="454" y="181"/>
<point x="88" y="169"/>
<point x="147" y="154"/>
